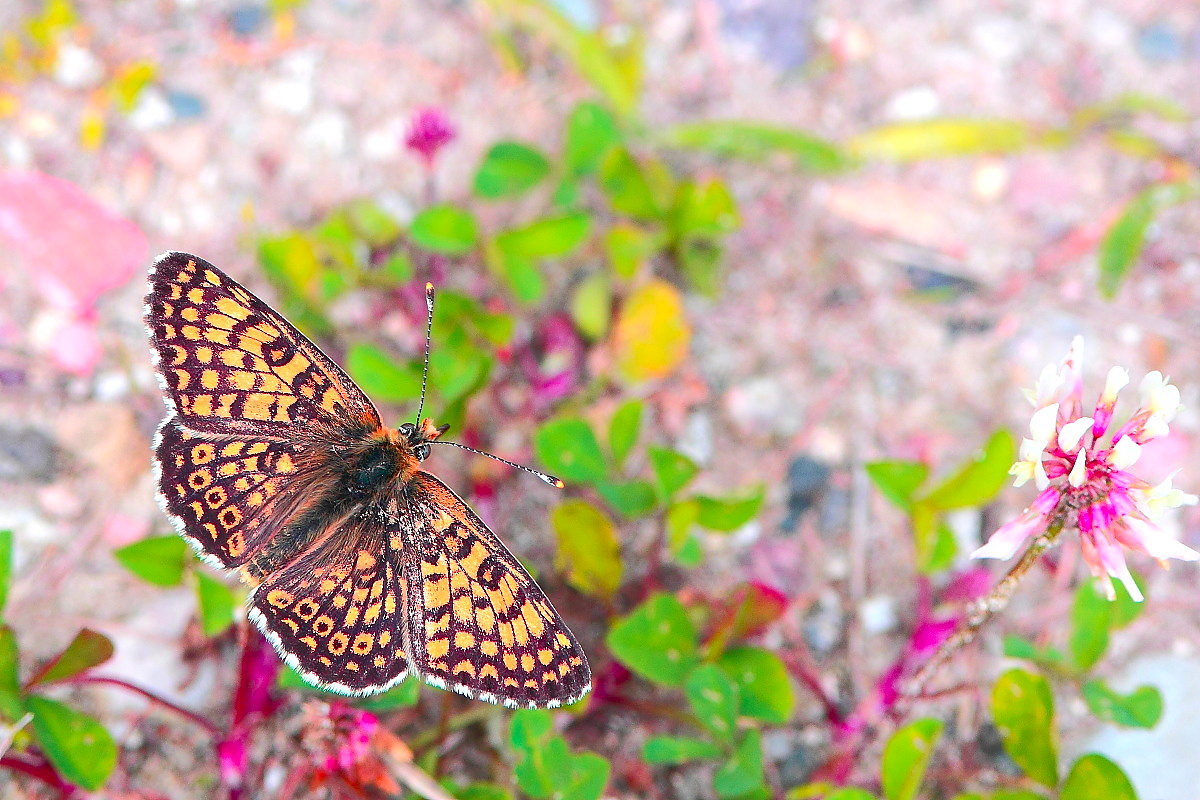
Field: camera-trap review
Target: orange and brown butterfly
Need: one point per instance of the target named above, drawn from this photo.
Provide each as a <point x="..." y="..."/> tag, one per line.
<point x="364" y="567"/>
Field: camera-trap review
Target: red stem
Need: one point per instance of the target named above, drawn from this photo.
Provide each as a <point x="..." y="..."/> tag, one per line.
<point x="41" y="771"/>
<point x="183" y="712"/>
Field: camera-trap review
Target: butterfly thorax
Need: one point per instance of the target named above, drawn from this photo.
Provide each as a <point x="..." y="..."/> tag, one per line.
<point x="376" y="461"/>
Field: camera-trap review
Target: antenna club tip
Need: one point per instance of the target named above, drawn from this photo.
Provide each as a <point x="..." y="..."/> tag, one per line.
<point x="428" y="288"/>
<point x="557" y="484"/>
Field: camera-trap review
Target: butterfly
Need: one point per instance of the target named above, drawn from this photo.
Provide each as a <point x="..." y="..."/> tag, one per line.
<point x="363" y="566"/>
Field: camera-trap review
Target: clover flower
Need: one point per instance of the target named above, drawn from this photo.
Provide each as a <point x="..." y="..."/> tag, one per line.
<point x="1081" y="467"/>
<point x="428" y="133"/>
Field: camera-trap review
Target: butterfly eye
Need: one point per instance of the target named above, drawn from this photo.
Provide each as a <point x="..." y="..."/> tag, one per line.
<point x="422" y="452"/>
<point x="407" y="429"/>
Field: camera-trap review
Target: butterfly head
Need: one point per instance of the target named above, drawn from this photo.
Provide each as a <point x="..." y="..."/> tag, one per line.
<point x="418" y="438"/>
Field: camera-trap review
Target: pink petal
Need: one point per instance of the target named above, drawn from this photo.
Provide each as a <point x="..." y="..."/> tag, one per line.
<point x="1146" y="537"/>
<point x="1113" y="559"/>
<point x="75" y="247"/>
<point x="75" y="347"/>
<point x="1009" y="537"/>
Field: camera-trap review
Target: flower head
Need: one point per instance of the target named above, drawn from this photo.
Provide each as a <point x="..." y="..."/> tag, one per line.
<point x="428" y="133"/>
<point x="1082" y="472"/>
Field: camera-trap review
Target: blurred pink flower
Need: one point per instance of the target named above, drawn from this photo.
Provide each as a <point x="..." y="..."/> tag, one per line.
<point x="1081" y="468"/>
<point x="428" y="133"/>
<point x="553" y="361"/>
<point x="340" y="735"/>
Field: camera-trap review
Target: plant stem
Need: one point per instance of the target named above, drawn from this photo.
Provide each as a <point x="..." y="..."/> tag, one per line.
<point x="183" y="712"/>
<point x="978" y="615"/>
<point x="42" y="771"/>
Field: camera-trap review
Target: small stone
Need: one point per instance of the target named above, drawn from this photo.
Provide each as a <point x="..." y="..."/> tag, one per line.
<point x="918" y="102"/>
<point x="1159" y="41"/>
<point x="27" y="455"/>
<point x="186" y="105"/>
<point x="806" y="481"/>
<point x="76" y="67"/>
<point x="247" y="19"/>
<point x="878" y="614"/>
<point x="824" y="625"/>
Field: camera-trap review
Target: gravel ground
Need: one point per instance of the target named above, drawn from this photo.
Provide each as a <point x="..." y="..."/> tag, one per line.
<point x="821" y="343"/>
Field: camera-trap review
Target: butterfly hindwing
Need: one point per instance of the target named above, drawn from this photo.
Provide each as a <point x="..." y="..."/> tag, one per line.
<point x="479" y="624"/>
<point x="335" y="613"/>
<point x="229" y="363"/>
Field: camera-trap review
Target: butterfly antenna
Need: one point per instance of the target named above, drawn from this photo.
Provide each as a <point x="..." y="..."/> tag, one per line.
<point x="550" y="479"/>
<point x="428" y="333"/>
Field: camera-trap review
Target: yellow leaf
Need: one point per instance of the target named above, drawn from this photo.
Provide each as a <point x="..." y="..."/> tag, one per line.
<point x="651" y="336"/>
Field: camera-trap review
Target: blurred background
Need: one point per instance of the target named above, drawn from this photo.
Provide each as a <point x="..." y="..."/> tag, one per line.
<point x="706" y="261"/>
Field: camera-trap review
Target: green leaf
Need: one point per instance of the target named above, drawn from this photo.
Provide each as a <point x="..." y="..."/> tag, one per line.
<point x="1023" y="708"/>
<point x="700" y="263"/>
<point x="714" y="700"/>
<point x="88" y="649"/>
<point x="158" y="560"/>
<point x="546" y="238"/>
<point x="657" y="640"/>
<point x="290" y="262"/>
<point x="591" y="305"/>
<point x="629" y="498"/>
<point x="587" y="548"/>
<point x="374" y="224"/>
<point x="382" y="377"/>
<point x="77" y="745"/>
<point x="403" y="695"/>
<point x="587" y="778"/>
<point x="510" y="169"/>
<point x="1094" y="776"/>
<point x="627" y="247"/>
<point x="217" y="604"/>
<point x="678" y="750"/>
<point x="476" y="791"/>
<point x="1122" y="243"/>
<point x="568" y="449"/>
<point x="906" y="756"/>
<point x="940" y="138"/>
<point x="743" y="772"/>
<point x="522" y="275"/>
<point x="898" y="480"/>
<point x="546" y="767"/>
<point x="398" y="268"/>
<point x="764" y="689"/>
<point x="729" y="513"/>
<point x="651" y="337"/>
<point x="624" y="429"/>
<point x="445" y="229"/>
<point x="593" y="57"/>
<point x="1141" y="708"/>
<point x="1124" y="609"/>
<point x="704" y="210"/>
<point x="11" y="706"/>
<point x="628" y="187"/>
<point x="978" y="481"/>
<point x="1016" y="647"/>
<point x="755" y="141"/>
<point x="850" y="794"/>
<point x="1090" y="615"/>
<point x="6" y="547"/>
<point x="591" y="130"/>
<point x="681" y="518"/>
<point x="672" y="470"/>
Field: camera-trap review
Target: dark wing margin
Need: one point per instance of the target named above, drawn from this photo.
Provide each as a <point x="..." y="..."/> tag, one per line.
<point x="335" y="613"/>
<point x="479" y="624"/>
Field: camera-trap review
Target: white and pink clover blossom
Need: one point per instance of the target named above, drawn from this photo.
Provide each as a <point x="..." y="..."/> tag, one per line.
<point x="1082" y="473"/>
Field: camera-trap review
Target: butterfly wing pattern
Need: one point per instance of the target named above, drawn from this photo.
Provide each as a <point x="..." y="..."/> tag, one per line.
<point x="363" y="568"/>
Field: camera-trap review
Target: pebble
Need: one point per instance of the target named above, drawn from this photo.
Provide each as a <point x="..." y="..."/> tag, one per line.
<point x="186" y="105"/>
<point x="807" y="479"/>
<point x="917" y="102"/>
<point x="247" y="19"/>
<point x="878" y="614"/>
<point x="76" y="67"/>
<point x="1159" y="42"/>
<point x="27" y="455"/>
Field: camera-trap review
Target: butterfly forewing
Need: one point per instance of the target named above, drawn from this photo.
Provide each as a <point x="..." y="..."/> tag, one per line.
<point x="481" y="626"/>
<point x="228" y="362"/>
